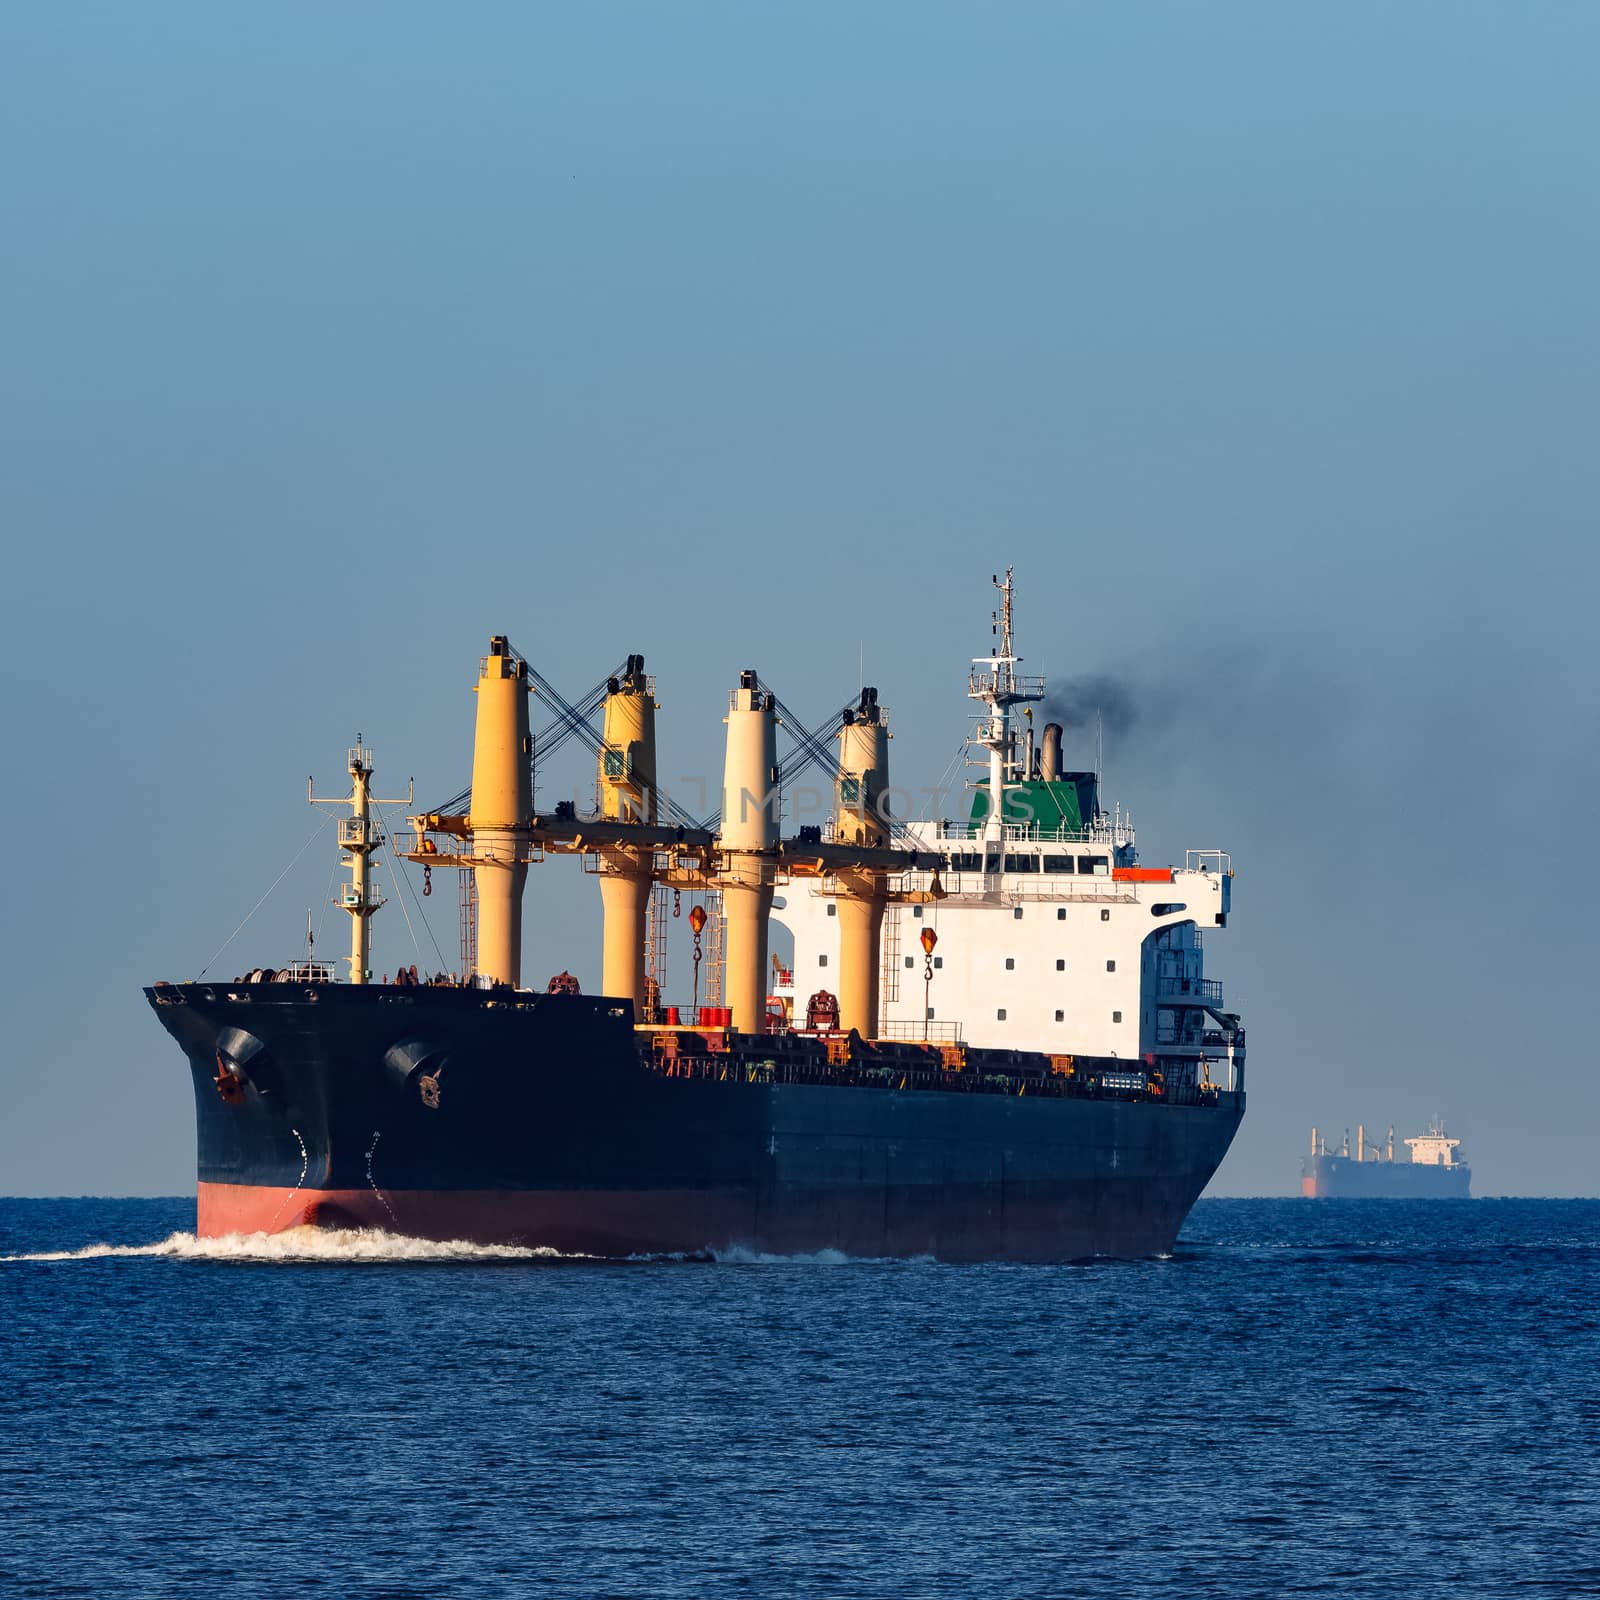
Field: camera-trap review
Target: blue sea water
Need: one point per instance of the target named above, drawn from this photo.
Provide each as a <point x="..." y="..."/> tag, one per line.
<point x="1336" y="1397"/>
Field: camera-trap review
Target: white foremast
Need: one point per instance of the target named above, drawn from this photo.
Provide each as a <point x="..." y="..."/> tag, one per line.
<point x="998" y="689"/>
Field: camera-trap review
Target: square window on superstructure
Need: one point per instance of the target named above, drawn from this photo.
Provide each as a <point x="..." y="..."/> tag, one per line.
<point x="1011" y="963"/>
<point x="1061" y="913"/>
<point x="822" y="961"/>
<point x="1061" y="1016"/>
<point x="1116" y="1016"/>
<point x="1061" y="965"/>
<point x="916" y="911"/>
<point x="911" y="961"/>
<point x="1105" y="916"/>
<point x="833" y="910"/>
<point x="1000" y="1015"/>
<point x="1016" y="912"/>
<point x="1111" y="966"/>
<point x="938" y="961"/>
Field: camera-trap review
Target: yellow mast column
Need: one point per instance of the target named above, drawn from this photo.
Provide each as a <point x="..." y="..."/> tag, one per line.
<point x="862" y="818"/>
<point x="359" y="837"/>
<point x="627" y="794"/>
<point x="749" y="838"/>
<point x="502" y="808"/>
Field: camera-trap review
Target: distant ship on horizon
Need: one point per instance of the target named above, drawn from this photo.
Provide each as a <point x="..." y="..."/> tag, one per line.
<point x="1436" y="1169"/>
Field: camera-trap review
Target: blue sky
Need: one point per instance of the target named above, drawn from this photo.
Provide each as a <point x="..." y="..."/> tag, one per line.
<point x="1260" y="339"/>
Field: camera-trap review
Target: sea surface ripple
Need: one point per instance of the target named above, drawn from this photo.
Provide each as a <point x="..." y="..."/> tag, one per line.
<point x="1308" y="1398"/>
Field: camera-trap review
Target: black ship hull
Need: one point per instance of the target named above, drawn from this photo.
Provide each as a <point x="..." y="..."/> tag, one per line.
<point x="1344" y="1178"/>
<point x="504" y="1117"/>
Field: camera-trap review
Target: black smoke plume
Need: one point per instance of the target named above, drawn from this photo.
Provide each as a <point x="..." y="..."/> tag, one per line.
<point x="1081" y="702"/>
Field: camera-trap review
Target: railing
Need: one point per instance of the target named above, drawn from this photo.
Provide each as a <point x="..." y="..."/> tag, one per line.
<point x="1047" y="887"/>
<point x="1201" y="1038"/>
<point x="1106" y="833"/>
<point x="1026" y="687"/>
<point x="1217" y="862"/>
<point x="308" y="972"/>
<point x="914" y="1032"/>
<point x="1097" y="1081"/>
<point x="351" y="897"/>
<point x="1202" y="991"/>
<point x="359" y="833"/>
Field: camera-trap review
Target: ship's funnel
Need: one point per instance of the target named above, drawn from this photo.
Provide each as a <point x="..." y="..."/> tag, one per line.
<point x="627" y="784"/>
<point x="862" y="817"/>
<point x="502" y="807"/>
<point x="748" y="838"/>
<point x="1050" y="753"/>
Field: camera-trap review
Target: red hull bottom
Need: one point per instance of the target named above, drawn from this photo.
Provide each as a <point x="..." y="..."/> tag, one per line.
<point x="617" y="1223"/>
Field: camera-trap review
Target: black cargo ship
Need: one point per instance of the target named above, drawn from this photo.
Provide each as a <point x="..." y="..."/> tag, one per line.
<point x="1073" y="1113"/>
<point x="547" y="1120"/>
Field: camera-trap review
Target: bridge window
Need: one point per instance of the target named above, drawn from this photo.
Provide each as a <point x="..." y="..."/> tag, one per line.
<point x="1100" y="866"/>
<point x="1058" y="863"/>
<point x="1019" y="863"/>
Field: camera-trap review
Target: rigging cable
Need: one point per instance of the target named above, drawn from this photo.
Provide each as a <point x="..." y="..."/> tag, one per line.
<point x="402" y="883"/>
<point x="263" y="900"/>
<point x="327" y="898"/>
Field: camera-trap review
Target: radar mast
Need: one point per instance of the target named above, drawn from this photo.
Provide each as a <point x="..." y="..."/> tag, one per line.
<point x="996" y="684"/>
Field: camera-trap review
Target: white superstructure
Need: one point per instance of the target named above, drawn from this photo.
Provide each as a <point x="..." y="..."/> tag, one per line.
<point x="1049" y="934"/>
<point x="1434" y="1148"/>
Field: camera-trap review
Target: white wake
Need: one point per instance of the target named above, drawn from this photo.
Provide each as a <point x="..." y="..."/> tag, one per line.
<point x="306" y="1245"/>
<point x="359" y="1245"/>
